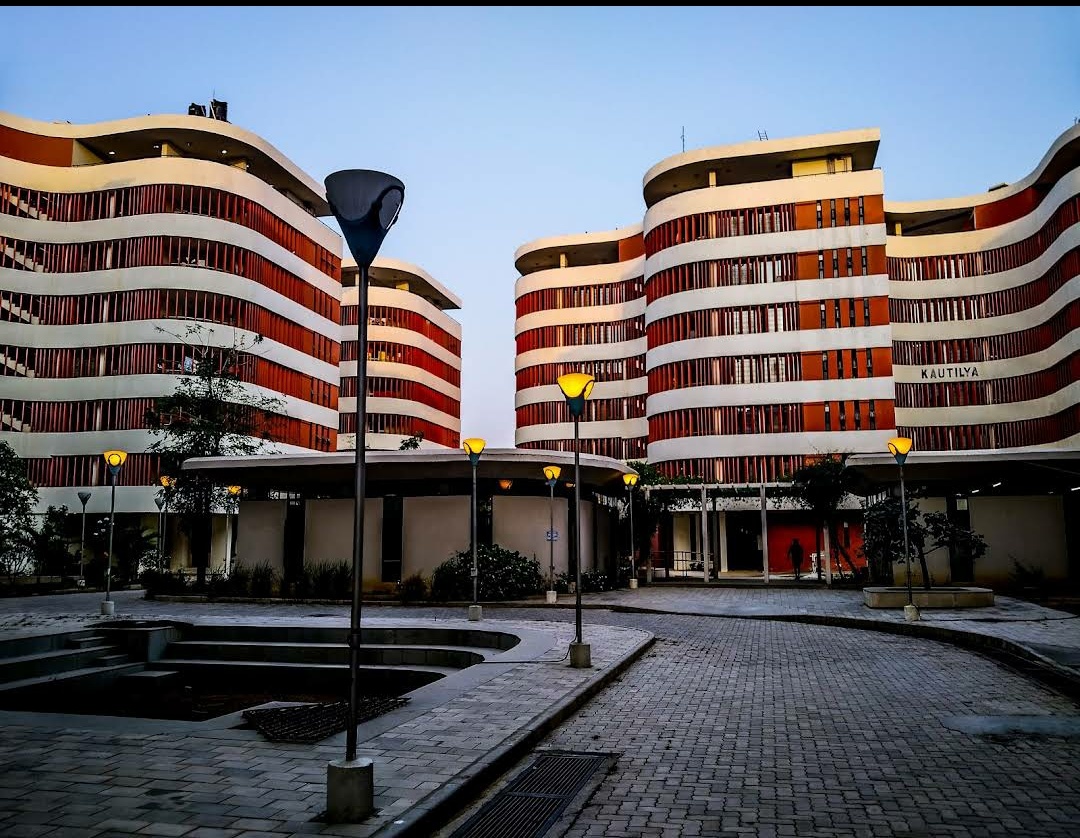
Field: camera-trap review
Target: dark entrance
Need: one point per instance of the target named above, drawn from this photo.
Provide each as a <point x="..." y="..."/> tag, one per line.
<point x="744" y="541"/>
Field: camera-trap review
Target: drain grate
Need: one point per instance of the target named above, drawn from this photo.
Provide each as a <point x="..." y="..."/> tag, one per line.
<point x="535" y="798"/>
<point x="307" y="724"/>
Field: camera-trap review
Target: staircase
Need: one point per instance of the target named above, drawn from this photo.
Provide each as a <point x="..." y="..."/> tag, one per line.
<point x="77" y="660"/>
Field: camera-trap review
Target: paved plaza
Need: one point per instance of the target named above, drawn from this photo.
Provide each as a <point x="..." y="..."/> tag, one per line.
<point x="730" y="724"/>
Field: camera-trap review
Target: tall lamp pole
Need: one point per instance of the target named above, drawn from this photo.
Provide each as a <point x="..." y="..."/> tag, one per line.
<point x="83" y="498"/>
<point x="234" y="496"/>
<point x="115" y="461"/>
<point x="168" y="484"/>
<point x="900" y="447"/>
<point x="576" y="388"/>
<point x="159" y="502"/>
<point x="365" y="204"/>
<point x="631" y="481"/>
<point x="474" y="447"/>
<point x="551" y="475"/>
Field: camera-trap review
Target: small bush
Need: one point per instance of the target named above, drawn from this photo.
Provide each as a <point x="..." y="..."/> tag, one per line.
<point x="262" y="580"/>
<point x="503" y="574"/>
<point x="1027" y="581"/>
<point x="164" y="582"/>
<point x="331" y="580"/>
<point x="592" y="582"/>
<point x="413" y="589"/>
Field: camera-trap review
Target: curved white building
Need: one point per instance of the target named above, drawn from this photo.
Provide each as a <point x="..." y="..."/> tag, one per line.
<point x="413" y="358"/>
<point x="125" y="248"/>
<point x="767" y="315"/>
<point x="985" y="314"/>
<point x="580" y="305"/>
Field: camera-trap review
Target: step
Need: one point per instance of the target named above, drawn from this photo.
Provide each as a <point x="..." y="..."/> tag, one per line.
<point x="388" y="635"/>
<point x="225" y="675"/>
<point x="150" y="679"/>
<point x="71" y="677"/>
<point x="457" y="657"/>
<point x="84" y="642"/>
<point x="113" y="660"/>
<point x="50" y="663"/>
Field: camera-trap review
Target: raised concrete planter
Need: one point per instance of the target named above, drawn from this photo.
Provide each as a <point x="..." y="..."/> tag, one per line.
<point x="896" y="597"/>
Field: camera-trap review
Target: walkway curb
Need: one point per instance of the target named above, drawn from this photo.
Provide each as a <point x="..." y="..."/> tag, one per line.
<point x="446" y="802"/>
<point x="1008" y="652"/>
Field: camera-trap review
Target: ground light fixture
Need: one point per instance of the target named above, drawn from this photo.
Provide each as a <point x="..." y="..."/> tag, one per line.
<point x="630" y="481"/>
<point x="365" y="204"/>
<point x="900" y="447"/>
<point x="474" y="447"/>
<point x="551" y="477"/>
<point x="576" y="388"/>
<point x="115" y="461"/>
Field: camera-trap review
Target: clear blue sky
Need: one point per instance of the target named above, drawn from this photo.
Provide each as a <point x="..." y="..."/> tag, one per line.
<point x="517" y="123"/>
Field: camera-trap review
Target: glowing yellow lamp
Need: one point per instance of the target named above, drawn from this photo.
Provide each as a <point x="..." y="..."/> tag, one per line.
<point x="552" y="473"/>
<point x="115" y="459"/>
<point x="900" y="447"/>
<point x="630" y="480"/>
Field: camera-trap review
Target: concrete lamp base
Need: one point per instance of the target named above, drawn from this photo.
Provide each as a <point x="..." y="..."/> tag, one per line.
<point x="911" y="613"/>
<point x="580" y="655"/>
<point x="633" y="584"/>
<point x="476" y="612"/>
<point x="108" y="608"/>
<point x="552" y="597"/>
<point x="350" y="790"/>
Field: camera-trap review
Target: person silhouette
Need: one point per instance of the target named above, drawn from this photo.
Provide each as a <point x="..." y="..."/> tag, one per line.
<point x="795" y="554"/>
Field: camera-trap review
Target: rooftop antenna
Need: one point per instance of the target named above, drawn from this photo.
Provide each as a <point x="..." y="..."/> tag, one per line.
<point x="762" y="135"/>
<point x="684" y="138"/>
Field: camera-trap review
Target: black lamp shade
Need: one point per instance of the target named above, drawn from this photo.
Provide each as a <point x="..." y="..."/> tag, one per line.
<point x="366" y="205"/>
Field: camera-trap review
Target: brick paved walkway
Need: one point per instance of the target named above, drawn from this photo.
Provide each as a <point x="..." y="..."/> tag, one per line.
<point x="726" y="727"/>
<point x="740" y="727"/>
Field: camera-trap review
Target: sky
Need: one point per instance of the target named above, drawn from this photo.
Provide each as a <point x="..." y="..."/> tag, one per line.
<point x="517" y="123"/>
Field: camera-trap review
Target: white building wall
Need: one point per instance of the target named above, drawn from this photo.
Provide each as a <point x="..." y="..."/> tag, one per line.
<point x="435" y="528"/>
<point x="520" y="523"/>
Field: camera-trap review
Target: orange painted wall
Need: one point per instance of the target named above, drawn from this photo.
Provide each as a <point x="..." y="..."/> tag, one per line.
<point x="813" y="417"/>
<point x="806" y="216"/>
<point x="1004" y="211"/>
<point x="631" y="248"/>
<point x="882" y="361"/>
<point x="874" y="209"/>
<point x="811" y="365"/>
<point x="879" y="312"/>
<point x="31" y="148"/>
<point x="807" y="266"/>
<point x="784" y="527"/>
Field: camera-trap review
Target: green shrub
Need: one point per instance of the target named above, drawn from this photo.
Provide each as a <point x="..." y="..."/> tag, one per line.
<point x="414" y="589"/>
<point x="592" y="582"/>
<point x="503" y="574"/>
<point x="262" y="580"/>
<point x="331" y="580"/>
<point x="164" y="582"/>
<point x="238" y="582"/>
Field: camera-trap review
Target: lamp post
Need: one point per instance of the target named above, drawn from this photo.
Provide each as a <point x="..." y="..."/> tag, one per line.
<point x="159" y="502"/>
<point x="167" y="486"/>
<point x="631" y="481"/>
<point x="115" y="460"/>
<point x="365" y="204"/>
<point x="474" y="447"/>
<point x="83" y="498"/>
<point x="551" y="474"/>
<point x="234" y="496"/>
<point x="576" y="388"/>
<point x="900" y="447"/>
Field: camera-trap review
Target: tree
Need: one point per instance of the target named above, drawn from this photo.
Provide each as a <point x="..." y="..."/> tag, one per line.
<point x="133" y="548"/>
<point x="51" y="543"/>
<point x="883" y="538"/>
<point x="18" y="497"/>
<point x="650" y="507"/>
<point x="212" y="413"/>
<point x="821" y="487"/>
<point x="412" y="443"/>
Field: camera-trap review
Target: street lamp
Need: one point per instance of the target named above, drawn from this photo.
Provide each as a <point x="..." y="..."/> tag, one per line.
<point x="83" y="498"/>
<point x="365" y="204"/>
<point x="551" y="473"/>
<point x="631" y="481"/>
<point x="234" y="495"/>
<point x="474" y="447"/>
<point x="900" y="447"/>
<point x="168" y="484"/>
<point x="576" y="387"/>
<point x="115" y="460"/>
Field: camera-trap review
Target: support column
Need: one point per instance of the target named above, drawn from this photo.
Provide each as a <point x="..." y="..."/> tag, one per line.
<point x="721" y="527"/>
<point x="764" y="538"/>
<point x="827" y="557"/>
<point x="705" y="532"/>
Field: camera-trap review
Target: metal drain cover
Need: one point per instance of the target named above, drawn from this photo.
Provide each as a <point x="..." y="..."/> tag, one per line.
<point x="306" y="724"/>
<point x="532" y="802"/>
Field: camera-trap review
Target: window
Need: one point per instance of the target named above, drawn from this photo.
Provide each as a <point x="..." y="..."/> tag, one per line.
<point x="820" y="264"/>
<point x="866" y="311"/>
<point x="861" y="216"/>
<point x="839" y="363"/>
<point x="865" y="272"/>
<point x="855" y="363"/>
<point x="828" y="418"/>
<point x="850" y="263"/>
<point x="832" y="212"/>
<point x="847" y="211"/>
<point x="823" y="323"/>
<point x="870" y="368"/>
<point x="843" y="416"/>
<point x="873" y="419"/>
<point x="825" y="365"/>
<point x="836" y="263"/>
<point x="851" y="312"/>
<point x="819" y="214"/>
<point x="836" y="312"/>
